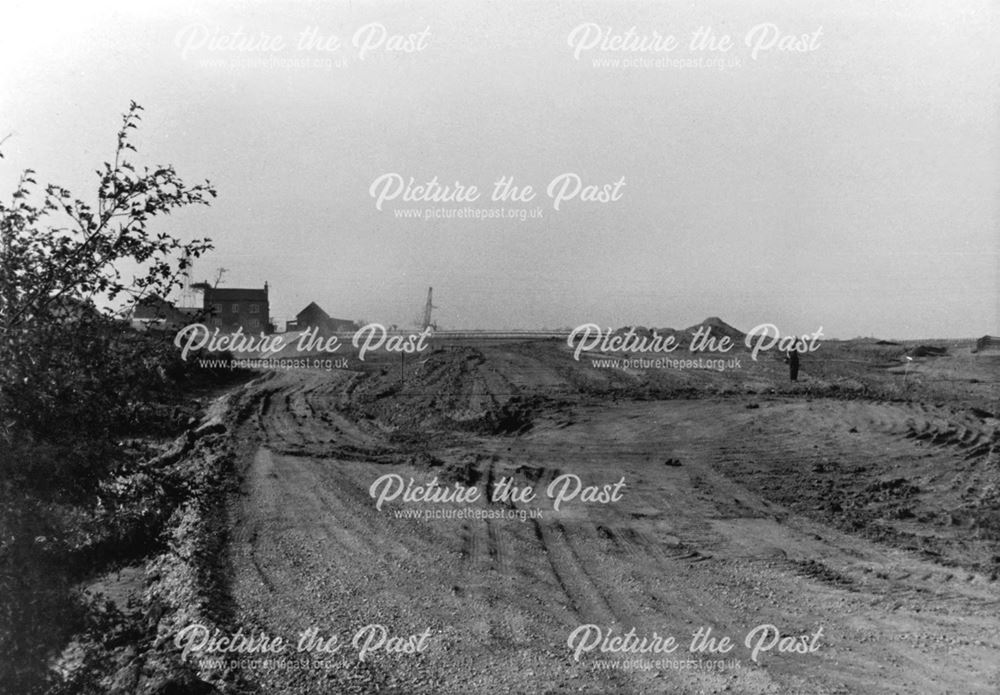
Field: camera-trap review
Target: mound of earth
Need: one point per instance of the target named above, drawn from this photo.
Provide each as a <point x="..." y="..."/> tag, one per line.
<point x="719" y="328"/>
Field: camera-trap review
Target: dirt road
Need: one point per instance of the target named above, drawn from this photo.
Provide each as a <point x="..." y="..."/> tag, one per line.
<point x="867" y="521"/>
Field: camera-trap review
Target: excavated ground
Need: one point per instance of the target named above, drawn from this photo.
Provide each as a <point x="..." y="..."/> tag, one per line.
<point x="852" y="501"/>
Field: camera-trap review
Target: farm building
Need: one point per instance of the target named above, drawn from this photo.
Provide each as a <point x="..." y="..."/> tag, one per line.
<point x="313" y="316"/>
<point x="987" y="342"/>
<point x="230" y="308"/>
<point x="156" y="313"/>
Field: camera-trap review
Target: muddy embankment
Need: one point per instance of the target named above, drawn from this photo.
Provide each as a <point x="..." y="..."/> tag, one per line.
<point x="136" y="611"/>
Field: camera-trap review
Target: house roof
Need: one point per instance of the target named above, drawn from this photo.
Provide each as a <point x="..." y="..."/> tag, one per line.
<point x="235" y="294"/>
<point x="313" y="310"/>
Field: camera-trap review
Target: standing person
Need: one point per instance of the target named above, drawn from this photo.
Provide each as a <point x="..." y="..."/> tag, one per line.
<point x="793" y="363"/>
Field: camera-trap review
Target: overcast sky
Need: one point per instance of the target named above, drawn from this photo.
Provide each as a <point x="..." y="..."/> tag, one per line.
<point x="850" y="184"/>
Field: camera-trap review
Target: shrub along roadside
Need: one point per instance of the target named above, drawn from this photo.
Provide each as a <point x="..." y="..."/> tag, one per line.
<point x="79" y="391"/>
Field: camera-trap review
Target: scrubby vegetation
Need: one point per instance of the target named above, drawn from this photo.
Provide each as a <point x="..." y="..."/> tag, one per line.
<point x="84" y="399"/>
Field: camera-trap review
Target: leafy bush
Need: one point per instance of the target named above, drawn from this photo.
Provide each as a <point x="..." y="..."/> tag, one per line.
<point x="71" y="375"/>
<point x="73" y="380"/>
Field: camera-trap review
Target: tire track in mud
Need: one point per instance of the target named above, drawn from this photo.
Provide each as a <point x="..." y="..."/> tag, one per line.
<point x="665" y="558"/>
<point x="882" y="466"/>
<point x="667" y="552"/>
<point x="486" y="552"/>
<point x="938" y="426"/>
<point x="331" y="497"/>
<point x="651" y="578"/>
<point x="586" y="600"/>
<point x="245" y="536"/>
<point x="312" y="503"/>
<point x="304" y="421"/>
<point x="320" y="550"/>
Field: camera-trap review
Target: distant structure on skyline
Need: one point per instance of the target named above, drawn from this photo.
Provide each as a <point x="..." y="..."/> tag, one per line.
<point x="313" y="316"/>
<point x="229" y="308"/>
<point x="156" y="313"/>
<point x="987" y="342"/>
<point x="428" y="308"/>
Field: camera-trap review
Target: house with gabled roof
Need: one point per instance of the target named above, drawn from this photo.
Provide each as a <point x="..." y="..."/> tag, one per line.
<point x="230" y="308"/>
<point x="313" y="316"/>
